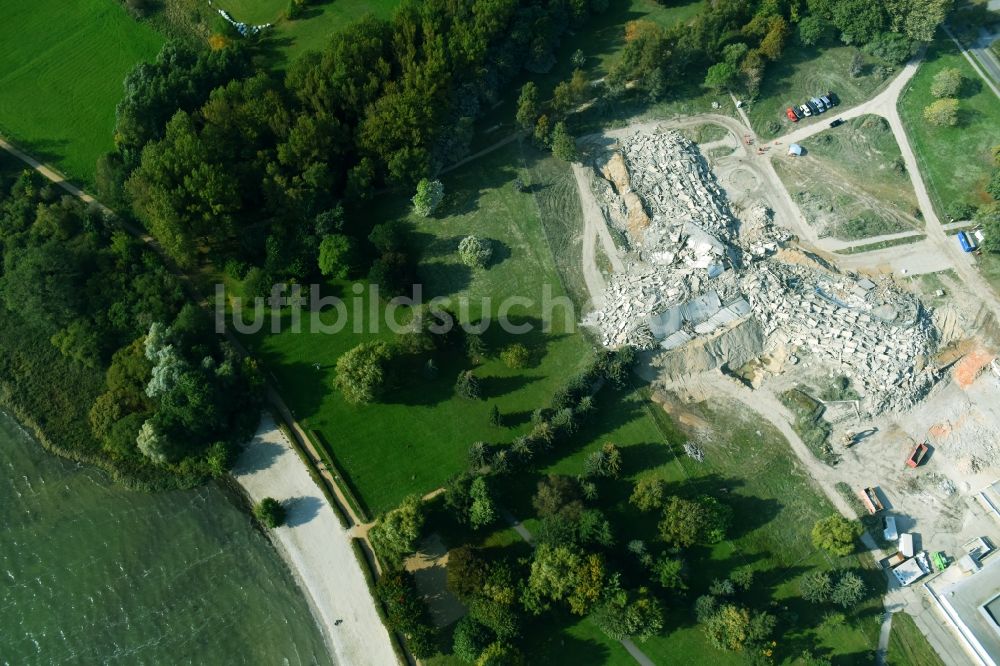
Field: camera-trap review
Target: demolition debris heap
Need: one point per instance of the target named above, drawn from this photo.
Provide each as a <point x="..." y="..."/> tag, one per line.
<point x="697" y="272"/>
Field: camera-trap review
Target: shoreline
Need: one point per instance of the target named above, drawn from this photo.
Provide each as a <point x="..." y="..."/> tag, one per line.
<point x="316" y="548"/>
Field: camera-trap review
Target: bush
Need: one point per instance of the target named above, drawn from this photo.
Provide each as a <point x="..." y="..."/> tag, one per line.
<point x="648" y="494"/>
<point x="942" y="113"/>
<point x="475" y="251"/>
<point x="406" y="612"/>
<point x="515" y="356"/>
<point x="269" y="512"/>
<point x="430" y="194"/>
<point x="849" y="591"/>
<point x="362" y="372"/>
<point x="960" y="210"/>
<point x="470" y="639"/>
<point x="816" y="587"/>
<point x="836" y="534"/>
<point x="563" y="143"/>
<point x="947" y="82"/>
<point x="468" y="386"/>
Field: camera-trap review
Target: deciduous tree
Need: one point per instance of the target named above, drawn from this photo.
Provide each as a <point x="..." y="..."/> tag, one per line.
<point x="836" y="534"/>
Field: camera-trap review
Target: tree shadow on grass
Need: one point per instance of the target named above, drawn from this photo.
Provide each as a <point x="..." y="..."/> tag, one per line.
<point x="970" y="87"/>
<point x="303" y="386"/>
<point x="495" y="387"/>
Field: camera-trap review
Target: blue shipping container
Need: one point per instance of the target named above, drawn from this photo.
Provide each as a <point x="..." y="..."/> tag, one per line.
<point x="966" y="242"/>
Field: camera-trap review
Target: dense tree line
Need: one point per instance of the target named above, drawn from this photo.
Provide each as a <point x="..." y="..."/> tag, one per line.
<point x="175" y="397"/>
<point x="217" y="157"/>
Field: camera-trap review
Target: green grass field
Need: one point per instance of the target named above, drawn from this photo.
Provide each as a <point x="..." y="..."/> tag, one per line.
<point x="61" y="71"/>
<point x="419" y="436"/>
<point x="804" y="72"/>
<point x="851" y="182"/>
<point x="955" y="161"/>
<point x="907" y="646"/>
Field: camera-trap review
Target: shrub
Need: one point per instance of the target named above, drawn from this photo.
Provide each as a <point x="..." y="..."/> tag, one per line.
<point x="515" y="356"/>
<point x="835" y="534"/>
<point x="362" y="372"/>
<point x="429" y="195"/>
<point x="960" y="210"/>
<point x="475" y="251"/>
<point x="406" y="612"/>
<point x="470" y="639"/>
<point x="269" y="512"/>
<point x="850" y="590"/>
<point x="670" y="573"/>
<point x="947" y="82"/>
<point x="648" y="494"/>
<point x="816" y="587"/>
<point x="942" y="113"/>
<point x="563" y="143"/>
<point x="468" y="386"/>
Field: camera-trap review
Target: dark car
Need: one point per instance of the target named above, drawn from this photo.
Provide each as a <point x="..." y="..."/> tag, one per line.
<point x="834" y="100"/>
<point x="812" y="107"/>
<point x="837" y="123"/>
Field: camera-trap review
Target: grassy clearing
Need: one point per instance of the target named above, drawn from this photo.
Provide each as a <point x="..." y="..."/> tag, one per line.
<point x="422" y="421"/>
<point x="313" y="28"/>
<point x="705" y="133"/>
<point x="804" y="72"/>
<point x="955" y="162"/>
<point x="851" y="182"/>
<point x="61" y="71"/>
<point x="809" y="423"/>
<point x="907" y="646"/>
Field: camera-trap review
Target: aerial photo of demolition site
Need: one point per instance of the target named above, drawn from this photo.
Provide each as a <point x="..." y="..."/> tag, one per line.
<point x="880" y="366"/>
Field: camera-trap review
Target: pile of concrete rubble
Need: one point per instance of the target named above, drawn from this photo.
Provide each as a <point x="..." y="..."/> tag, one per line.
<point x="698" y="270"/>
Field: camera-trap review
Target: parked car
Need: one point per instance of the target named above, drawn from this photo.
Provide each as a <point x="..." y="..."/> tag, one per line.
<point x="791" y="115"/>
<point x="826" y="101"/>
<point x="806" y="111"/>
<point x="837" y="123"/>
<point x="818" y="104"/>
<point x="834" y="100"/>
<point x="812" y="107"/>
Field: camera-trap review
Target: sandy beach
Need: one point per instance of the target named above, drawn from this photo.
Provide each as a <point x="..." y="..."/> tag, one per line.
<point x="317" y="549"/>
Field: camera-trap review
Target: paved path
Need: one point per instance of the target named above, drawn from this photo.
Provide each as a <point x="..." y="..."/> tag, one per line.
<point x="883" y="639"/>
<point x="983" y="60"/>
<point x="317" y="548"/>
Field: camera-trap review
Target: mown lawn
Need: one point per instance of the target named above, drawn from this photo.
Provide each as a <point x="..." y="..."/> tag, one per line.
<point x="318" y="21"/>
<point x="419" y="435"/>
<point x="61" y="71"/>
<point x="803" y="72"/>
<point x="955" y="162"/>
<point x="907" y="646"/>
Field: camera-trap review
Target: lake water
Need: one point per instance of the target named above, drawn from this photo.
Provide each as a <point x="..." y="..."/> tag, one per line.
<point x="93" y="573"/>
